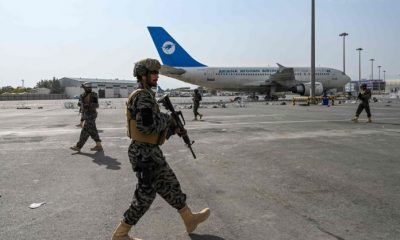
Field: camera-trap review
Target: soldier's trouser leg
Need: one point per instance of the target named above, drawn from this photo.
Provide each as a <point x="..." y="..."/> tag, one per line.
<point x="89" y="129"/>
<point x="142" y="199"/>
<point x="167" y="185"/>
<point x="164" y="182"/>
<point x="92" y="129"/>
<point x="195" y="108"/>
<point x="84" y="136"/>
<point x="368" y="110"/>
<point x="359" y="109"/>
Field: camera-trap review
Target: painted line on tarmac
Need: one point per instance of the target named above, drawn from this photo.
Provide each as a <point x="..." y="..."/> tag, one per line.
<point x="197" y="125"/>
<point x="285" y="122"/>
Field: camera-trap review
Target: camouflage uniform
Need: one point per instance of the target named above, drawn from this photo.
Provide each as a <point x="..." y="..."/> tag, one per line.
<point x="196" y="103"/>
<point x="90" y="102"/>
<point x="153" y="172"/>
<point x="364" y="96"/>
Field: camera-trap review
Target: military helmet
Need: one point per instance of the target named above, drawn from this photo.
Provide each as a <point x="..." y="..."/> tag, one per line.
<point x="86" y="85"/>
<point x="196" y="90"/>
<point x="143" y="67"/>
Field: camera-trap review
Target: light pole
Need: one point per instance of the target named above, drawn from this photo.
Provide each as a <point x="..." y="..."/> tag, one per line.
<point x="359" y="64"/>
<point x="379" y="75"/>
<point x="372" y="68"/>
<point x="312" y="92"/>
<point x="344" y="34"/>
<point x="344" y="50"/>
<point x="384" y="75"/>
<point x="379" y="78"/>
<point x="384" y="78"/>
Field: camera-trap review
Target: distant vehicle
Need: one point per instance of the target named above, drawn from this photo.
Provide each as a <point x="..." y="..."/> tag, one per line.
<point x="76" y="97"/>
<point x="180" y="65"/>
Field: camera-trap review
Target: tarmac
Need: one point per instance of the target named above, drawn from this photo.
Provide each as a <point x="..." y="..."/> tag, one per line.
<point x="266" y="171"/>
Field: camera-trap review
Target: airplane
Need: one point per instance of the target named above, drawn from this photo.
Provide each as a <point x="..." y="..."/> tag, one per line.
<point x="178" y="64"/>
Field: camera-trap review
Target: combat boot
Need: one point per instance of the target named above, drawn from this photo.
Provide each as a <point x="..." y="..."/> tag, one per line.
<point x="121" y="232"/>
<point x="75" y="148"/>
<point x="201" y="116"/>
<point x="355" y="119"/>
<point x="98" y="147"/>
<point x="369" y="120"/>
<point x="195" y="118"/>
<point x="191" y="220"/>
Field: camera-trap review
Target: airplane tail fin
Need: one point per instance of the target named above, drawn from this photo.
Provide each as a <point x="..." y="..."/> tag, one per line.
<point x="171" y="53"/>
<point x="160" y="90"/>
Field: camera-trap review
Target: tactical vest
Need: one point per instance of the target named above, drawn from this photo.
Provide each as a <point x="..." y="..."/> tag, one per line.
<point x="88" y="100"/>
<point x="132" y="130"/>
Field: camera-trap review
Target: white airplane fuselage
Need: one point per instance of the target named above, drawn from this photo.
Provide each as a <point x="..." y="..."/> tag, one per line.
<point x="255" y="78"/>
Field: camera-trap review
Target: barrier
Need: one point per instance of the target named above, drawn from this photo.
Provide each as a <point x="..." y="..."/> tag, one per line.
<point x="317" y="99"/>
<point x="29" y="96"/>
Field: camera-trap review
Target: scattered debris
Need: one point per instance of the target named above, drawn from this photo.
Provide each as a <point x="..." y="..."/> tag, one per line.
<point x="70" y="105"/>
<point x="108" y="104"/>
<point x="221" y="104"/>
<point x="40" y="107"/>
<point x="22" y="106"/>
<point x="36" y="205"/>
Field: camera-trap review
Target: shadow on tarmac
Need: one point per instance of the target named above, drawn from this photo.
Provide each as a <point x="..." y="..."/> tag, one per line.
<point x="194" y="236"/>
<point x="100" y="159"/>
<point x="386" y="123"/>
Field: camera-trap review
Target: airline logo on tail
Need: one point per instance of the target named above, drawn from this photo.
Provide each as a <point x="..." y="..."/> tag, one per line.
<point x="168" y="47"/>
<point x="171" y="53"/>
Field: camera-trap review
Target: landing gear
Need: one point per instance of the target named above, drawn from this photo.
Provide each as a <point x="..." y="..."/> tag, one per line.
<point x="253" y="97"/>
<point x="271" y="98"/>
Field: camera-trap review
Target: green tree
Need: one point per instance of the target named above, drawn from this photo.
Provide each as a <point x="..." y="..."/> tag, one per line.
<point x="54" y="85"/>
<point x="6" y="89"/>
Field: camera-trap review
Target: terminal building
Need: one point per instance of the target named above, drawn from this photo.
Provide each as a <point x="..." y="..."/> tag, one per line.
<point x="393" y="86"/>
<point x="374" y="85"/>
<point x="105" y="88"/>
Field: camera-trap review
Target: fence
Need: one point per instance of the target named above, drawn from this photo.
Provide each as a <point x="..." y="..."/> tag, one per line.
<point x="14" y="97"/>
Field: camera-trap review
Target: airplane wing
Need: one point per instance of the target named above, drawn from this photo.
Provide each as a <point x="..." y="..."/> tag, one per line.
<point x="284" y="74"/>
<point x="167" y="70"/>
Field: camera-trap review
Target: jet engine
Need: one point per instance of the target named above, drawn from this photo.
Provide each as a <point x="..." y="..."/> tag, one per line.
<point x="304" y="89"/>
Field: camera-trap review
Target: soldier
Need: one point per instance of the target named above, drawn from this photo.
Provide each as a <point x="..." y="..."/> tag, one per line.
<point x="89" y="103"/>
<point x="364" y="96"/>
<point x="147" y="127"/>
<point x="196" y="103"/>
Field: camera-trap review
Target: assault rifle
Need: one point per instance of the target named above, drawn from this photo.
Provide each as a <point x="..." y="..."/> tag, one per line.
<point x="177" y="115"/>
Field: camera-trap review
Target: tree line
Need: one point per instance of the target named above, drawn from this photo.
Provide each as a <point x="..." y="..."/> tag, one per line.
<point x="53" y="84"/>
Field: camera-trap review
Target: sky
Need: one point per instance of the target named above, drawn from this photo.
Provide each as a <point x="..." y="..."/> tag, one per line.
<point x="43" y="39"/>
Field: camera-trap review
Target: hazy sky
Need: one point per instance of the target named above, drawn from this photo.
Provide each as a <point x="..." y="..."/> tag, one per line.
<point x="103" y="38"/>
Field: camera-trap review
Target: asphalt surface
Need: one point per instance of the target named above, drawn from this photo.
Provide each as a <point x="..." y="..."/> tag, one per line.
<point x="265" y="171"/>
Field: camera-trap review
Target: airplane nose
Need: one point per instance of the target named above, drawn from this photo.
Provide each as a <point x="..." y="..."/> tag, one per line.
<point x="348" y="79"/>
